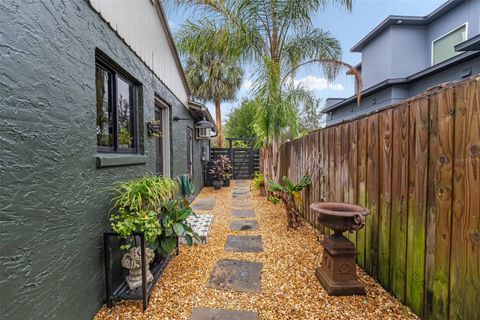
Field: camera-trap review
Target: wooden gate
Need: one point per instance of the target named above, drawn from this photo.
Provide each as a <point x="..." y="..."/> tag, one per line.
<point x="245" y="159"/>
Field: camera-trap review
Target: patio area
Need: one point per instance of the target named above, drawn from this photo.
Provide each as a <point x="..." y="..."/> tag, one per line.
<point x="258" y="268"/>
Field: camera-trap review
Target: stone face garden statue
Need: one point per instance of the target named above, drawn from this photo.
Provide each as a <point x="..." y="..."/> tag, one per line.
<point x="338" y="273"/>
<point x="132" y="260"/>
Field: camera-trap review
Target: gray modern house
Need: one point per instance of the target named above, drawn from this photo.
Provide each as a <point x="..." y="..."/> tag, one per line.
<point x="405" y="55"/>
<point x="79" y="81"/>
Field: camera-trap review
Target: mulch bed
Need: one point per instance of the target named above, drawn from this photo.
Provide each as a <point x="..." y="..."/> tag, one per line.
<point x="289" y="288"/>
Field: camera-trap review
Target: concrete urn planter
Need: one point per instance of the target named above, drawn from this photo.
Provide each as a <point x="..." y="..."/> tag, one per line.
<point x="338" y="273"/>
<point x="132" y="260"/>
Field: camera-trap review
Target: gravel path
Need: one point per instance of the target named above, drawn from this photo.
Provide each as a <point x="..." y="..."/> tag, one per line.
<point x="289" y="288"/>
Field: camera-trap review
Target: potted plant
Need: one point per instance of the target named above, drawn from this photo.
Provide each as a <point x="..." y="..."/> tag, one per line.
<point x="137" y="204"/>
<point x="220" y="171"/>
<point x="124" y="138"/>
<point x="259" y="183"/>
<point x="174" y="214"/>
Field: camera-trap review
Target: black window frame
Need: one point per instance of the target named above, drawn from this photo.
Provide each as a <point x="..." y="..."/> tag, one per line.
<point x="103" y="62"/>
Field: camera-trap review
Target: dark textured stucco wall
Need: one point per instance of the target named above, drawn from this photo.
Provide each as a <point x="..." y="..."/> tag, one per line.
<point x="53" y="199"/>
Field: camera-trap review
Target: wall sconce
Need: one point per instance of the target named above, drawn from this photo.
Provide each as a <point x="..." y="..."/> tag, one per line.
<point x="203" y="129"/>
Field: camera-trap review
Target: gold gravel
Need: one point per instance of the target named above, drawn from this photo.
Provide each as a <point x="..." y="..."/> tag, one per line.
<point x="290" y="289"/>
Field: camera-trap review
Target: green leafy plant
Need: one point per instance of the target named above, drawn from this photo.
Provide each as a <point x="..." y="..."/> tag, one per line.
<point x="220" y="168"/>
<point x="124" y="136"/>
<point x="136" y="207"/>
<point x="289" y="194"/>
<point x="258" y="180"/>
<point x="147" y="193"/>
<point x="125" y="223"/>
<point x="174" y="213"/>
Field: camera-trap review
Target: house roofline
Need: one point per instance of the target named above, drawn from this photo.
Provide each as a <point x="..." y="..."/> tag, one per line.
<point x="406" y="20"/>
<point x="414" y="77"/>
<point x="195" y="106"/>
<point x="163" y="19"/>
<point x="471" y="44"/>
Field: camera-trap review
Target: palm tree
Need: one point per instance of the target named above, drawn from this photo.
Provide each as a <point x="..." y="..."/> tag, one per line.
<point x="213" y="69"/>
<point x="278" y="37"/>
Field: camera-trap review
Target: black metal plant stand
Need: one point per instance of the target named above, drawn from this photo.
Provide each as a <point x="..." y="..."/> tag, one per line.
<point x="122" y="291"/>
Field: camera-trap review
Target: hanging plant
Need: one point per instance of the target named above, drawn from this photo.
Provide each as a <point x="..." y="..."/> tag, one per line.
<point x="155" y="128"/>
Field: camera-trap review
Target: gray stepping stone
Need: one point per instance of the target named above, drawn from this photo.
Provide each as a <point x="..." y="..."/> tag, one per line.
<point x="244" y="244"/>
<point x="242" y="203"/>
<point x="241" y="196"/>
<point x="240" y="192"/>
<point x="203" y="204"/>
<point x="243" y="213"/>
<point x="221" y="314"/>
<point x="239" y="225"/>
<point x="236" y="275"/>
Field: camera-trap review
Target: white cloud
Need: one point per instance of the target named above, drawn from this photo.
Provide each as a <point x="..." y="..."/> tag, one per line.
<point x="314" y="83"/>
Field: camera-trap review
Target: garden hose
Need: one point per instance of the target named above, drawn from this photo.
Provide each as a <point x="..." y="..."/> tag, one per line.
<point x="188" y="188"/>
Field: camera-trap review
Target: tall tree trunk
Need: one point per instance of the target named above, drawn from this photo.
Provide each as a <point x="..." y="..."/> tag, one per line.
<point x="218" y="116"/>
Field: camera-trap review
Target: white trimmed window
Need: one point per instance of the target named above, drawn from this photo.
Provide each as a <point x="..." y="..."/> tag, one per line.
<point x="443" y="48"/>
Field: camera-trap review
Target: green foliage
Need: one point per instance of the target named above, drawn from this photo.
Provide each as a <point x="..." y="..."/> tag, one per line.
<point x="213" y="68"/>
<point x="147" y="193"/>
<point x="221" y="168"/>
<point x="311" y="116"/>
<point x="126" y="222"/>
<point x="288" y="190"/>
<point x="258" y="180"/>
<point x="174" y="212"/>
<point x="278" y="37"/>
<point x="240" y="122"/>
<point x="124" y="136"/>
<point x="136" y="206"/>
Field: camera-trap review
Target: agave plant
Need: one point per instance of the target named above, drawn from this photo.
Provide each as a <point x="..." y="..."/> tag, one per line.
<point x="289" y="194"/>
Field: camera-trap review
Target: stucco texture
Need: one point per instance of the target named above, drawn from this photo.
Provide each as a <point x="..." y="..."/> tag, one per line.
<point x="54" y="200"/>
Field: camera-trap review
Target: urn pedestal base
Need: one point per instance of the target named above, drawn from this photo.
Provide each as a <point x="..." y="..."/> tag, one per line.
<point x="134" y="280"/>
<point x="338" y="274"/>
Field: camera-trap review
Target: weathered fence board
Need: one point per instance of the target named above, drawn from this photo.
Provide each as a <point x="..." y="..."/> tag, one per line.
<point x="440" y="204"/>
<point x="416" y="166"/>
<point x="398" y="239"/>
<point x="385" y="181"/>
<point x="362" y="184"/>
<point x="465" y="259"/>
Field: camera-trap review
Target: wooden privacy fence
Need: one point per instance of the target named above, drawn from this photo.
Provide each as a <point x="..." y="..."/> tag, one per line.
<point x="416" y="166"/>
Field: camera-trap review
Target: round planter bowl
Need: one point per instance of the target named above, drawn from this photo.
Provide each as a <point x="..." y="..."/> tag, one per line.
<point x="217" y="184"/>
<point x="340" y="217"/>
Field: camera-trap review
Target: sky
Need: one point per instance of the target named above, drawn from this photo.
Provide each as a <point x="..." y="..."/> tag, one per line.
<point x="348" y="27"/>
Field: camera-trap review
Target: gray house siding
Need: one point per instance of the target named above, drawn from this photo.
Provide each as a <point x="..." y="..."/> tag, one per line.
<point x="468" y="11"/>
<point x="398" y="92"/>
<point x="376" y="59"/>
<point x="409" y="51"/>
<point x="54" y="200"/>
<point x="397" y="53"/>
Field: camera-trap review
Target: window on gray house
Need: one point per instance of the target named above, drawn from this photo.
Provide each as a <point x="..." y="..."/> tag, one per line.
<point x="116" y="109"/>
<point x="443" y="48"/>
